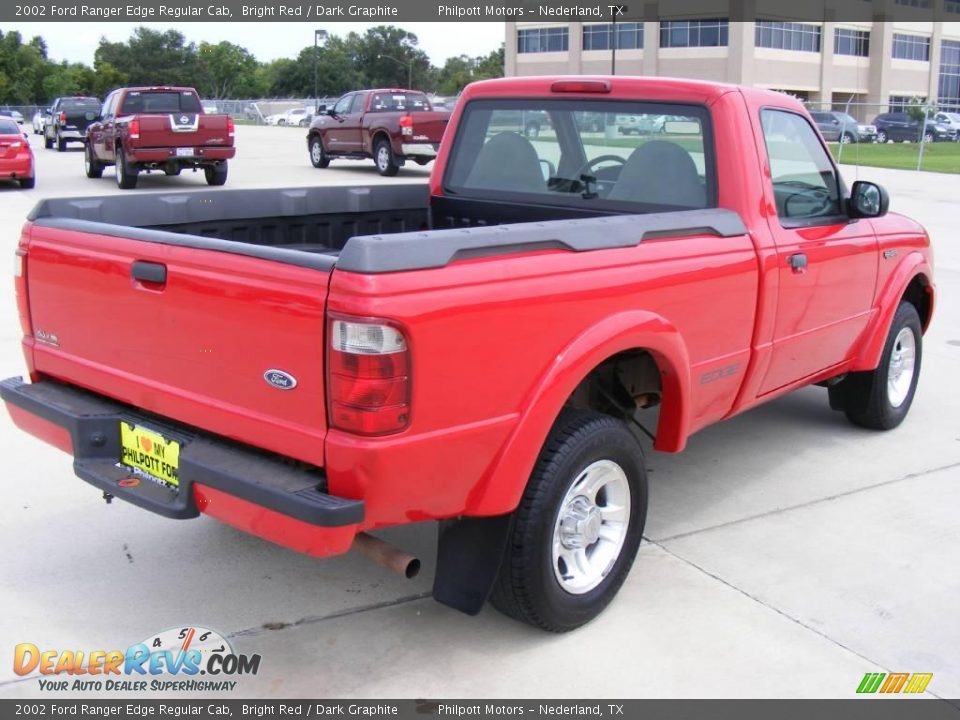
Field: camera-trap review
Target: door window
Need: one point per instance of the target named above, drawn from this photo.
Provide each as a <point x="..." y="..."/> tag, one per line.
<point x="343" y="105"/>
<point x="805" y="182"/>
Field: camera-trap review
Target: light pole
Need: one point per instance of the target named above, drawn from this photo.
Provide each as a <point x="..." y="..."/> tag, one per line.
<point x="318" y="35"/>
<point x="409" y="65"/>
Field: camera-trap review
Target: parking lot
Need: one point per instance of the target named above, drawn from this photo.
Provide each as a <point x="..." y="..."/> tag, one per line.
<point x="787" y="552"/>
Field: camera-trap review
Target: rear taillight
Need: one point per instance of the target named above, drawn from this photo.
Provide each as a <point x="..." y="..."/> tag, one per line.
<point x="63" y="118"/>
<point x="133" y="129"/>
<point x="368" y="377"/>
<point x="230" y="128"/>
<point x="20" y="289"/>
<point x="406" y="125"/>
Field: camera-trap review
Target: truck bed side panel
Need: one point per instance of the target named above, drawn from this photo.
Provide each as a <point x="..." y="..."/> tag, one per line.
<point x="483" y="332"/>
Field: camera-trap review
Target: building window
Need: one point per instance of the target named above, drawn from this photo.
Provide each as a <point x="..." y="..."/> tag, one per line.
<point x="851" y="42"/>
<point x="788" y="36"/>
<point x="925" y="4"/>
<point x="694" y="33"/>
<point x="538" y="40"/>
<point x="948" y="91"/>
<point x="899" y="103"/>
<point x="952" y="6"/>
<point x="600" y="37"/>
<point x="911" y="47"/>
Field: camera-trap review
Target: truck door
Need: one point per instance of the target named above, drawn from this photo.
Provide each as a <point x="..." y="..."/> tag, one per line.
<point x="827" y="263"/>
<point x="343" y="132"/>
<point x="97" y="130"/>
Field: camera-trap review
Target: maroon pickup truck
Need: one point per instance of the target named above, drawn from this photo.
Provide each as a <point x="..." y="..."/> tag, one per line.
<point x="390" y="126"/>
<point x="142" y="129"/>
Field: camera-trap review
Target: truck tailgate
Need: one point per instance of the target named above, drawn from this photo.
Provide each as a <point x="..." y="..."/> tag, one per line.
<point x="429" y="126"/>
<point x="184" y="130"/>
<point x="198" y="347"/>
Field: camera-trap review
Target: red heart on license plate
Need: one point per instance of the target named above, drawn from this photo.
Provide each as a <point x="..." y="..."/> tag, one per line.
<point x="145" y="443"/>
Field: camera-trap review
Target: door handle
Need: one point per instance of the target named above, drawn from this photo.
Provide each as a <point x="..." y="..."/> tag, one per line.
<point x="798" y="261"/>
<point x="150" y="272"/>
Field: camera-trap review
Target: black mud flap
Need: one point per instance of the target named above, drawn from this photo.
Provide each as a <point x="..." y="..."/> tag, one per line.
<point x="469" y="553"/>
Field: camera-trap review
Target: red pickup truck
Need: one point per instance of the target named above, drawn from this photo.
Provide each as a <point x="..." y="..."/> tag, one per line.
<point x="390" y="126"/>
<point x="142" y="129"/>
<point x="309" y="364"/>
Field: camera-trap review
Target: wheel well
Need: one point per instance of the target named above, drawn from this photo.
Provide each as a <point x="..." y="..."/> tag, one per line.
<point x="918" y="295"/>
<point x="620" y="385"/>
<point x="377" y="137"/>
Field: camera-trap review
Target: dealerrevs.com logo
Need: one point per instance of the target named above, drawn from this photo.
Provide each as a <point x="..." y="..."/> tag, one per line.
<point x="176" y="660"/>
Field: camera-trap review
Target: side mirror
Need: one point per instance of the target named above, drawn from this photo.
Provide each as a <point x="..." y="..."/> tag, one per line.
<point x="868" y="200"/>
<point x="26" y="136"/>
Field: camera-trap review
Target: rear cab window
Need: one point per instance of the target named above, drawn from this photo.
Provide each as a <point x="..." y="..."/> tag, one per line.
<point x="612" y="156"/>
<point x="160" y="101"/>
<point x="398" y="102"/>
<point x="83" y="104"/>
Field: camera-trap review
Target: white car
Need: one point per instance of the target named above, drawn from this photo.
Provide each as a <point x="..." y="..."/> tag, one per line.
<point x="297" y="116"/>
<point x="950" y="119"/>
<point x="38" y="122"/>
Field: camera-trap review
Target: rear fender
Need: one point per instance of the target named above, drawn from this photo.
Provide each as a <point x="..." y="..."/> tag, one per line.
<point x="912" y="266"/>
<point x="505" y="483"/>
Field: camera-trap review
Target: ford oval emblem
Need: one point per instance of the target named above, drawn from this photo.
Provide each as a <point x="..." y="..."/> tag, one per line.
<point x="280" y="379"/>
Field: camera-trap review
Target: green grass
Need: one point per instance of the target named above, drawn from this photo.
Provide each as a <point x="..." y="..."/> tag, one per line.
<point x="937" y="157"/>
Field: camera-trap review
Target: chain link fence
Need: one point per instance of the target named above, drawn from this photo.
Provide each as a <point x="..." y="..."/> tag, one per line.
<point x="906" y="133"/>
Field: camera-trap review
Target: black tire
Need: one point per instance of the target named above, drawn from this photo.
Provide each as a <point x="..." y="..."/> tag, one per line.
<point x="928" y="137"/>
<point x="61" y="144"/>
<point x="172" y="171"/>
<point x="47" y="142"/>
<point x="527" y="587"/>
<point x="882" y="136"/>
<point x="126" y="176"/>
<point x="532" y="130"/>
<point x="865" y="397"/>
<point x="383" y="158"/>
<point x="846" y="138"/>
<point x="216" y="175"/>
<point x="28" y="183"/>
<point x="318" y="156"/>
<point x="92" y="166"/>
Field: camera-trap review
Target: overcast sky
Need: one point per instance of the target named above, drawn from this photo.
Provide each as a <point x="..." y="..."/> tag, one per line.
<point x="77" y="42"/>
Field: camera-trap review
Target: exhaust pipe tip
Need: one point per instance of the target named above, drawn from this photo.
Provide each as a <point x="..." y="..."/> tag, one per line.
<point x="386" y="555"/>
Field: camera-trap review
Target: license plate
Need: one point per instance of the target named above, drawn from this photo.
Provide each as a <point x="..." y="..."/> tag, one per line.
<point x="184" y="152"/>
<point x="150" y="452"/>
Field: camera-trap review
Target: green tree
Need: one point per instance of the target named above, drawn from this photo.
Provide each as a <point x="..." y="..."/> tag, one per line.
<point x="152" y="57"/>
<point x="457" y="72"/>
<point x="22" y="69"/>
<point x="227" y="70"/>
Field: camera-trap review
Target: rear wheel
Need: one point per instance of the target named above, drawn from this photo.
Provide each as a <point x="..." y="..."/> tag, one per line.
<point x="318" y="156"/>
<point x="47" y="142"/>
<point x="383" y="156"/>
<point x="881" y="399"/>
<point x="92" y="166"/>
<point x="27" y="183"/>
<point x="881" y="136"/>
<point x="126" y="176"/>
<point x="847" y="138"/>
<point x="578" y="526"/>
<point x="928" y="137"/>
<point x="61" y="144"/>
<point x="216" y="175"/>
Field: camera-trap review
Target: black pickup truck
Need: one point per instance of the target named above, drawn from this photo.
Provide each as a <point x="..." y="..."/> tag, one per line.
<point x="67" y="120"/>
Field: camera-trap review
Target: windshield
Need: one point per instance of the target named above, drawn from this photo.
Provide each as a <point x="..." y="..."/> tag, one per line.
<point x="618" y="156"/>
<point x="161" y="101"/>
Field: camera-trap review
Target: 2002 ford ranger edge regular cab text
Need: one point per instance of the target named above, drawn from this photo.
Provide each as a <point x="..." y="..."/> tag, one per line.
<point x="326" y="361"/>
